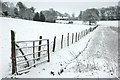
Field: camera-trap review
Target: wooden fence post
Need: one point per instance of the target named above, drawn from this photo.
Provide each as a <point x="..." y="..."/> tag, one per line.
<point x="62" y="42"/>
<point x="68" y="39"/>
<point x="90" y="29"/>
<point x="81" y="34"/>
<point x="34" y="52"/>
<point x="85" y="32"/>
<point x="39" y="48"/>
<point x="48" y="51"/>
<point x="72" y="37"/>
<point x="76" y="37"/>
<point x="54" y="43"/>
<point x="13" y="53"/>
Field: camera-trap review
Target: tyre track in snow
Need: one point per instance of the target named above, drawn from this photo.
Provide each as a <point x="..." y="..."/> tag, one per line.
<point x="104" y="46"/>
<point x="105" y="43"/>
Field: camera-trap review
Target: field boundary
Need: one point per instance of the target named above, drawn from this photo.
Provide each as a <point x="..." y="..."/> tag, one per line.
<point x="29" y="53"/>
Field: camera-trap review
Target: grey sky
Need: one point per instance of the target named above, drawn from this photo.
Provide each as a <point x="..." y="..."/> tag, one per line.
<point x="71" y="6"/>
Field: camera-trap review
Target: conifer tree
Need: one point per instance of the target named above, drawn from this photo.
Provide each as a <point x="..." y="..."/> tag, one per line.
<point x="36" y="17"/>
<point x="42" y="17"/>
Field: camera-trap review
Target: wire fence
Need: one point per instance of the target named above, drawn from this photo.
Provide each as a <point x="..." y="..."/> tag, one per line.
<point x="28" y="54"/>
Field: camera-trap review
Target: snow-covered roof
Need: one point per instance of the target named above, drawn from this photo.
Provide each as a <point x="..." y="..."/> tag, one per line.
<point x="62" y="17"/>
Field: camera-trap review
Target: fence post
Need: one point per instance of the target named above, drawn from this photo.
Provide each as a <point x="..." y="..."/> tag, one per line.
<point x="85" y="32"/>
<point x="72" y="37"/>
<point x="76" y="37"/>
<point x="90" y="29"/>
<point x="48" y="50"/>
<point x="39" y="48"/>
<point x="34" y="52"/>
<point x="13" y="53"/>
<point x="62" y="42"/>
<point x="68" y="39"/>
<point x="54" y="44"/>
<point x="81" y="34"/>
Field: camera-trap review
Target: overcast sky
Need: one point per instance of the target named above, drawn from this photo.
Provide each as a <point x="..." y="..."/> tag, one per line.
<point x="69" y="6"/>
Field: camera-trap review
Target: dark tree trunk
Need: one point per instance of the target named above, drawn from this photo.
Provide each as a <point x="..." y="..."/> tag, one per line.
<point x="89" y="22"/>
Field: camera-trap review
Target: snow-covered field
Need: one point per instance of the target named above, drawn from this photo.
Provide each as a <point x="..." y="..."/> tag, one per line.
<point x="109" y="23"/>
<point x="81" y="59"/>
<point x="66" y="22"/>
<point x="102" y="23"/>
<point x="63" y="59"/>
<point x="31" y="30"/>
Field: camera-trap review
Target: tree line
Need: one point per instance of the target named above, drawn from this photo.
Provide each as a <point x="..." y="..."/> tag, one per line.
<point x="23" y="12"/>
<point x="20" y="10"/>
<point x="92" y="15"/>
<point x="109" y="13"/>
<point x="89" y="15"/>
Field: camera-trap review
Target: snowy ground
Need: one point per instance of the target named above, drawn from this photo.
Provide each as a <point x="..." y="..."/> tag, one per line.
<point x="96" y="53"/>
<point x="102" y="23"/>
<point x="91" y="57"/>
<point x="29" y="30"/>
<point x="109" y="23"/>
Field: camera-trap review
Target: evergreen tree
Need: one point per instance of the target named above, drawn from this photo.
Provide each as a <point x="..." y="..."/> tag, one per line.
<point x="36" y="17"/>
<point x="5" y="13"/>
<point x="42" y="17"/>
<point x="16" y="12"/>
